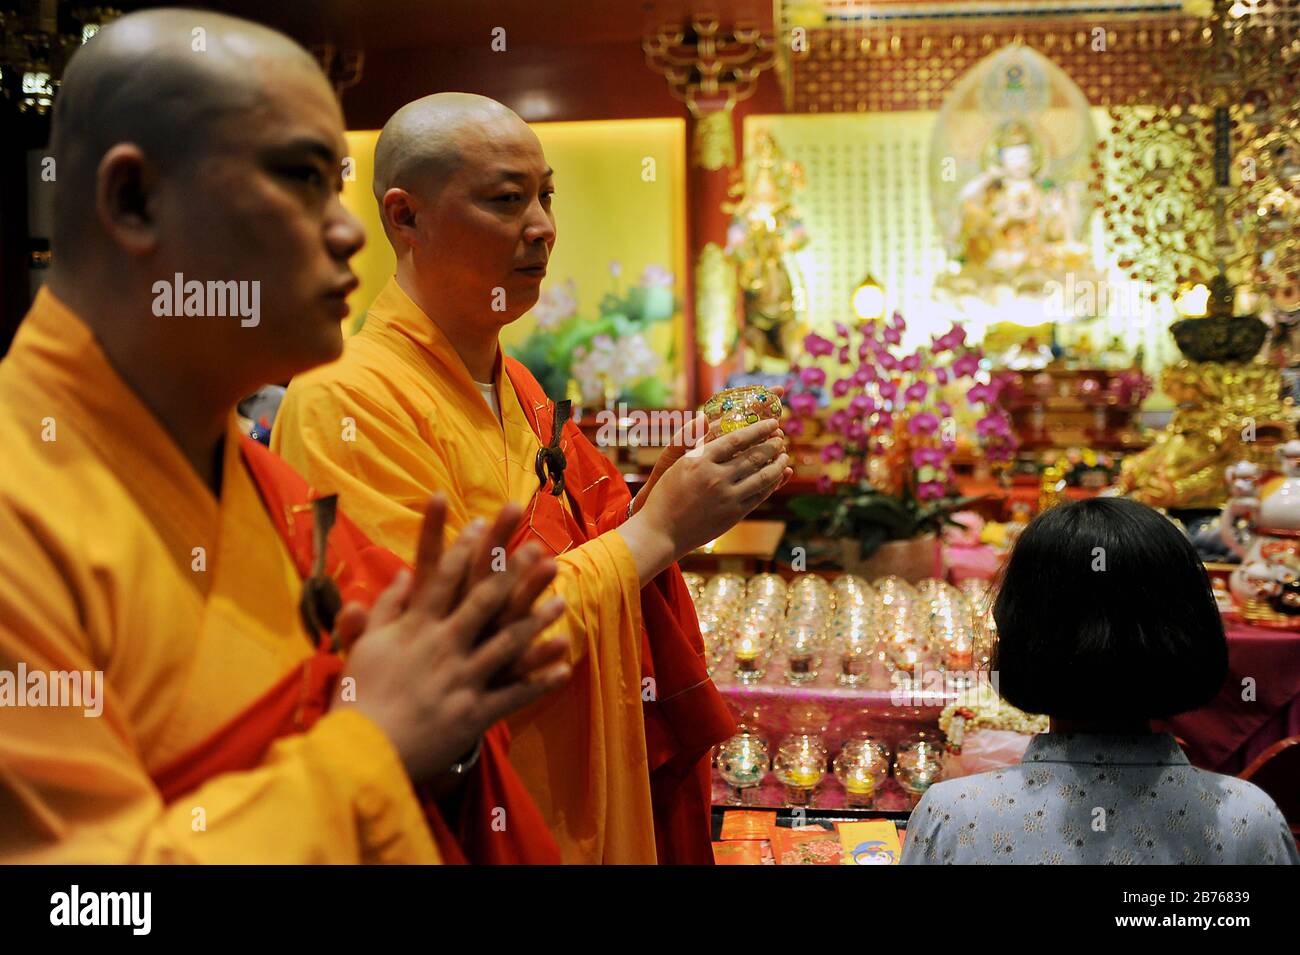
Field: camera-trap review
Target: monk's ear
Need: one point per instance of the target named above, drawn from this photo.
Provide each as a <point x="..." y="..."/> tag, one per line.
<point x="123" y="198"/>
<point x="399" y="210"/>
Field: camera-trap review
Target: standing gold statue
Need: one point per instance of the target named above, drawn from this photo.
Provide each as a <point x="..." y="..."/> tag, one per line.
<point x="764" y="234"/>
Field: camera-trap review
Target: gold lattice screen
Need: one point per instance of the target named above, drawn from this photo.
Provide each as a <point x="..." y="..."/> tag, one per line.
<point x="865" y="204"/>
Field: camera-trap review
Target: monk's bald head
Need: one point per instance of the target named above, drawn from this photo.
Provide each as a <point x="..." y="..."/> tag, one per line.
<point x="198" y="176"/>
<point x="167" y="81"/>
<point x="464" y="193"/>
<point x="425" y="141"/>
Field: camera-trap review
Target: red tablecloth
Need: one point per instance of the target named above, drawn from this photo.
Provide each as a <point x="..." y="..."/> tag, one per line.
<point x="1230" y="731"/>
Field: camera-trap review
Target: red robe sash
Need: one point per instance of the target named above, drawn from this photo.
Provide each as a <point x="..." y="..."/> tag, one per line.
<point x="688" y="717"/>
<point x="362" y="571"/>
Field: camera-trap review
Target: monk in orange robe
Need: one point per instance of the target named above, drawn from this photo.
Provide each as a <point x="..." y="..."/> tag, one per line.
<point x="171" y="595"/>
<point x="423" y="400"/>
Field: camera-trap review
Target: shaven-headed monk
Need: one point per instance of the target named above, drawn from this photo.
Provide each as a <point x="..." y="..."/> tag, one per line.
<point x="618" y="761"/>
<point x="171" y="593"/>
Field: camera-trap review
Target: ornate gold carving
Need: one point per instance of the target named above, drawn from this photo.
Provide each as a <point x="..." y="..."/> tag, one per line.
<point x="710" y="71"/>
<point x="1209" y="183"/>
<point x="879" y="65"/>
<point x="713" y="146"/>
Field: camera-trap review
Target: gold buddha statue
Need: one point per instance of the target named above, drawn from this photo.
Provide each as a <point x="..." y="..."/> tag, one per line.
<point x="1014" y="228"/>
<point x="764" y="233"/>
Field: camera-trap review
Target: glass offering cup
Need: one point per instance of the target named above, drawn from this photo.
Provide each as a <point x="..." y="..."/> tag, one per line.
<point x="750" y="650"/>
<point x="801" y="643"/>
<point x="737" y="408"/>
<point x="810" y="587"/>
<point x="718" y="636"/>
<point x="851" y="590"/>
<point x="767" y="587"/>
<point x="726" y="589"/>
<point x="984" y="630"/>
<point x="918" y="764"/>
<point x="906" y="648"/>
<point x="800" y="765"/>
<point x="862" y="767"/>
<point x="894" y="607"/>
<point x="763" y="621"/>
<point x="945" y="614"/>
<point x="958" y="647"/>
<point x="743" y="762"/>
<point x="853" y="640"/>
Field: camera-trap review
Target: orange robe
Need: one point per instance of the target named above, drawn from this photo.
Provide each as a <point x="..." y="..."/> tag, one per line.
<point x="117" y="558"/>
<point x="399" y="417"/>
<point x="498" y="823"/>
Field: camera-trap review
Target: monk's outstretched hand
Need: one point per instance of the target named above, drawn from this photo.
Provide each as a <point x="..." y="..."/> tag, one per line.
<point x="707" y="490"/>
<point x="695" y="432"/>
<point x="438" y="659"/>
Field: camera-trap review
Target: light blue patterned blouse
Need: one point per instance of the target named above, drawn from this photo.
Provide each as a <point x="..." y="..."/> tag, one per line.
<point x="1093" y="799"/>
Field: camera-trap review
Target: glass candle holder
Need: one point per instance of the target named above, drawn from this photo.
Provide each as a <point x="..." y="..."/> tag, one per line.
<point x="725" y="589"/>
<point x="918" y="765"/>
<point x="718" y="636"/>
<point x="800" y="765"/>
<point x="945" y="614"/>
<point x="811" y="608"/>
<point x="812" y="589"/>
<point x="801" y="645"/>
<point x="894" y="606"/>
<point x="764" y="621"/>
<point x="742" y="763"/>
<point x="862" y="767"/>
<point x="737" y="408"/>
<point x="749" y="651"/>
<point x="907" y="648"/>
<point x="851" y="591"/>
<point x="959" y="662"/>
<point x="984" y="629"/>
<point x="767" y="587"/>
<point x="900" y="625"/>
<point x="853" y="639"/>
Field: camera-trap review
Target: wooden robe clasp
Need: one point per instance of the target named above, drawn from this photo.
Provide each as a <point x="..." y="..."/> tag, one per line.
<point x="550" y="459"/>
<point x="321" y="600"/>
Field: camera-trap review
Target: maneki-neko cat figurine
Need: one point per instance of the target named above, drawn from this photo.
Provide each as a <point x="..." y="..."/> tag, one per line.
<point x="1266" y="586"/>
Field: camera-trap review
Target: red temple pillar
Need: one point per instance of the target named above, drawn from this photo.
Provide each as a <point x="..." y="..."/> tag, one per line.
<point x="715" y="337"/>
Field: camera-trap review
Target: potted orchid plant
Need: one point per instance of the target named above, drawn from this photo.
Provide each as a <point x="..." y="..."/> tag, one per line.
<point x="890" y="430"/>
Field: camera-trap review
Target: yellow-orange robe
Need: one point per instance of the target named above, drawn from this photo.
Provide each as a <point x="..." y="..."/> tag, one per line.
<point x="116" y="557"/>
<point x="397" y="418"/>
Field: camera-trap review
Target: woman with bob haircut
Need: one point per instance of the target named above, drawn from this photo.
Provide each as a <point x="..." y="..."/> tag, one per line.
<point x="1106" y="621"/>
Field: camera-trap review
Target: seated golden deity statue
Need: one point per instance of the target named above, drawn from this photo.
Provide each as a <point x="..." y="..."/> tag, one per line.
<point x="1014" y="228"/>
<point x="1226" y="412"/>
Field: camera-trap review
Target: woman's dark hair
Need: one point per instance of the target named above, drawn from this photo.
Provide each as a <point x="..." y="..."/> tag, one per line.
<point x="1105" y="612"/>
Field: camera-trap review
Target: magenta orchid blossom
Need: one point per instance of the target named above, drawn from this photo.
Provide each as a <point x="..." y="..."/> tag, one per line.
<point x="812" y="377"/>
<point x="887" y="403"/>
<point x="817" y="346"/>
